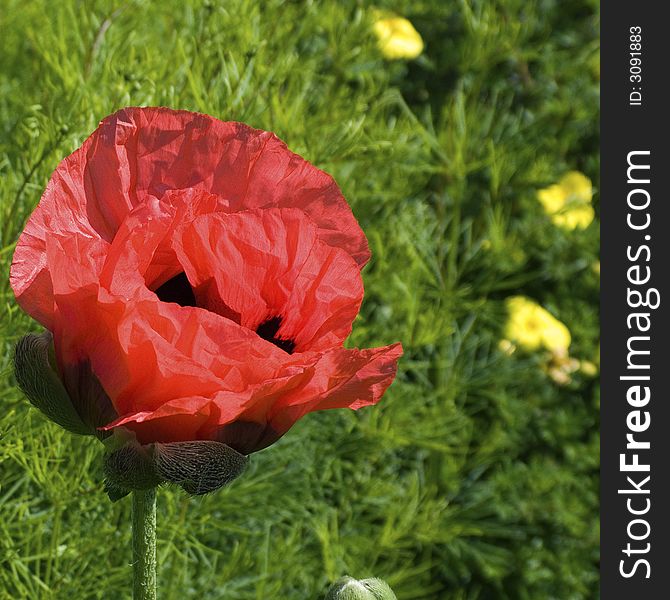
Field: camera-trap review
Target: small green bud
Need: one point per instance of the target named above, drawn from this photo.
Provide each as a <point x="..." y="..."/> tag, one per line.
<point x="72" y="397"/>
<point x="348" y="588"/>
<point x="40" y="382"/>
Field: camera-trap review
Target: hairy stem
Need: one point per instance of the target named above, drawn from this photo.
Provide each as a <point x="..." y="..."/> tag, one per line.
<point x="144" y="544"/>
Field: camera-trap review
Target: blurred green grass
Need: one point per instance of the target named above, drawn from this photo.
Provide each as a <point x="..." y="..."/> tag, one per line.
<point x="477" y="476"/>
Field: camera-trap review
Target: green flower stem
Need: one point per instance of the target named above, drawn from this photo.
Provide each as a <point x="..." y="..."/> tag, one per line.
<point x="144" y="544"/>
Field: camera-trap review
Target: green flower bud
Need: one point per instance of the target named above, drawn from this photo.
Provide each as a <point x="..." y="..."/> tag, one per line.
<point x="72" y="397"/>
<point x="348" y="588"/>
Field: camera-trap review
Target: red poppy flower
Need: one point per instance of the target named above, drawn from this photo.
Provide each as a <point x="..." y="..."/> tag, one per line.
<point x="204" y="275"/>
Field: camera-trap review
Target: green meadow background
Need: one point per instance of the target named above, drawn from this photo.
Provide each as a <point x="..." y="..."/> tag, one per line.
<point x="476" y="477"/>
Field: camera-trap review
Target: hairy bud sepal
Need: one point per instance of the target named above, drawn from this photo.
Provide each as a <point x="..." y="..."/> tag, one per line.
<point x="198" y="467"/>
<point x="40" y="382"/>
<point x="73" y="398"/>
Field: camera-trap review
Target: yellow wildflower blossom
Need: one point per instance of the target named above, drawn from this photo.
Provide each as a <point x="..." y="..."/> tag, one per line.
<point x="532" y="327"/>
<point x="568" y="202"/>
<point x="596" y="267"/>
<point x="588" y="368"/>
<point x="398" y="38"/>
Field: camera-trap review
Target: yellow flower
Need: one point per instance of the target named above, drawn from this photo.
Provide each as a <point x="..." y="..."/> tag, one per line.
<point x="532" y="327"/>
<point x="398" y="38"/>
<point x="588" y="368"/>
<point x="507" y="347"/>
<point x="568" y="202"/>
<point x="577" y="186"/>
<point x="579" y="217"/>
<point x="596" y="267"/>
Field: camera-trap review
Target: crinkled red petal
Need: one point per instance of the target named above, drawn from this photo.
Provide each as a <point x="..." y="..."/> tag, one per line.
<point x="138" y="154"/>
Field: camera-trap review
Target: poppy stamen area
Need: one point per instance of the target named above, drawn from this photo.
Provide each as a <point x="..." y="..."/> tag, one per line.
<point x="177" y="290"/>
<point x="268" y="331"/>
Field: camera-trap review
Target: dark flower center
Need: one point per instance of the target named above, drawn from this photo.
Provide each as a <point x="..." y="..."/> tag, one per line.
<point x="268" y="331"/>
<point x="179" y="290"/>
